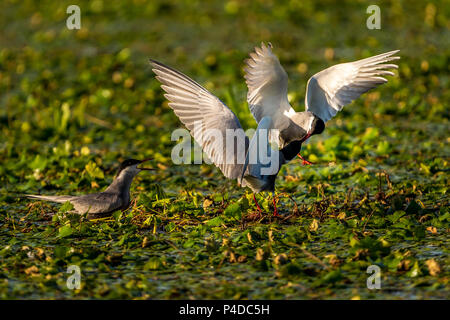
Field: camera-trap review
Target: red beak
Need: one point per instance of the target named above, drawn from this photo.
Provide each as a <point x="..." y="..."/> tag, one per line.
<point x="306" y="137"/>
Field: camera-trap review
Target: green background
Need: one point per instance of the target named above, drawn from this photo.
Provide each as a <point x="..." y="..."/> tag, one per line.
<point x="75" y="102"/>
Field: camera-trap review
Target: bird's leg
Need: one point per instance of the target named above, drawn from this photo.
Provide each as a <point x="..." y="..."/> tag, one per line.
<point x="275" y="211"/>
<point x="257" y="205"/>
<point x="274" y="201"/>
<point x="304" y="161"/>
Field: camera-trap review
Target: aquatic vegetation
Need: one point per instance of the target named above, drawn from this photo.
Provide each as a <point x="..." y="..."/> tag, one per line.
<point x="74" y="102"/>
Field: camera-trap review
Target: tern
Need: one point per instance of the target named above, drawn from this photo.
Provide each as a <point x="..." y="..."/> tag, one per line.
<point x="101" y="204"/>
<point x="208" y="119"/>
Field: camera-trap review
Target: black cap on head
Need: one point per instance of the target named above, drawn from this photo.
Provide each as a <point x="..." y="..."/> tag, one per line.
<point x="318" y="126"/>
<point x="126" y="163"/>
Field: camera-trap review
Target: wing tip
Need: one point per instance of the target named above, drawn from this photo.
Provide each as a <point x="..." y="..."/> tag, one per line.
<point x="266" y="46"/>
<point x="153" y="62"/>
<point x="389" y="56"/>
<point x="389" y="53"/>
<point x="263" y="48"/>
<point x="156" y="65"/>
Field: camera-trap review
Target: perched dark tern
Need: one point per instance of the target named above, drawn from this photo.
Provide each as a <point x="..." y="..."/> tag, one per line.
<point x="209" y="120"/>
<point x="115" y="197"/>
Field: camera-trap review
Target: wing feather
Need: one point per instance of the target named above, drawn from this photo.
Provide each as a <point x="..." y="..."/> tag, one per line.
<point x="267" y="84"/>
<point x="331" y="89"/>
<point x="206" y="117"/>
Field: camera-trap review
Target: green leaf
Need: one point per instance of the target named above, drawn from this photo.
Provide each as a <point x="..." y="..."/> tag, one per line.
<point x="396" y="216"/>
<point x="94" y="171"/>
<point x="65" y="231"/>
<point x="370" y="134"/>
<point x="152" y="264"/>
<point x="39" y="163"/>
<point x="215" y="222"/>
<point x="66" y="207"/>
<point x="60" y="252"/>
<point x="419" y="232"/>
<point x="332" y="276"/>
<point x="234" y="211"/>
<point x="383" y="148"/>
<point x="415" y="270"/>
<point x="290" y="269"/>
<point x="425" y="168"/>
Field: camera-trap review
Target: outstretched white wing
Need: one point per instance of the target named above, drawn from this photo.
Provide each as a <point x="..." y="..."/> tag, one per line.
<point x="331" y="89"/>
<point x="267" y="84"/>
<point x="207" y="119"/>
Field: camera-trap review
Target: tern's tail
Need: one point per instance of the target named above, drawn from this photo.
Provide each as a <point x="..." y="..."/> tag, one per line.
<point x="60" y="199"/>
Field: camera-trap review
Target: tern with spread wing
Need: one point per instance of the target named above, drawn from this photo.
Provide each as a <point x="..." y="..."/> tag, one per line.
<point x="254" y="163"/>
<point x="327" y="92"/>
<point x="115" y="197"/>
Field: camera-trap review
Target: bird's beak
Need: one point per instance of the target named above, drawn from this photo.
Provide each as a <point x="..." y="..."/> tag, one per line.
<point x="307" y="136"/>
<point x="145" y="160"/>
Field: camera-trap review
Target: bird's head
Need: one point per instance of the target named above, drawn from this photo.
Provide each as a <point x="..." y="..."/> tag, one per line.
<point x="310" y="123"/>
<point x="131" y="166"/>
<point x="317" y="126"/>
